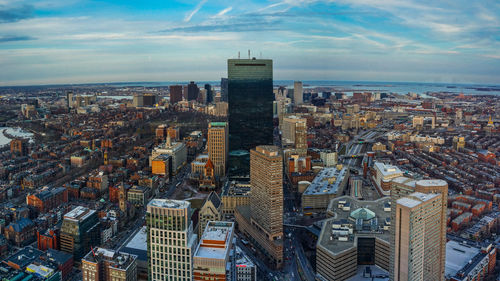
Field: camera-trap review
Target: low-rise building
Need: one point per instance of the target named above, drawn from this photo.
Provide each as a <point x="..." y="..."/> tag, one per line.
<point x="47" y="199"/>
<point x="357" y="234"/>
<point x="234" y="194"/>
<point x="108" y="265"/>
<point x="209" y="211"/>
<point x="211" y="260"/>
<point x="384" y="174"/>
<point x="245" y="269"/>
<point x="328" y="184"/>
<point x="467" y="261"/>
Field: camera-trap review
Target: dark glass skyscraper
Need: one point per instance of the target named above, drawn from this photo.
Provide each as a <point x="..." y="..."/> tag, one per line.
<point x="193" y="91"/>
<point x="250" y="97"/>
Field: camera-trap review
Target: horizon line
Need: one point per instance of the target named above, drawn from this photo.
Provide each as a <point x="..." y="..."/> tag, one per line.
<point x="203" y="81"/>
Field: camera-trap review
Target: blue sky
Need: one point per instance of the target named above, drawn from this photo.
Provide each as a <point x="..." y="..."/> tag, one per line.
<point x="80" y="41"/>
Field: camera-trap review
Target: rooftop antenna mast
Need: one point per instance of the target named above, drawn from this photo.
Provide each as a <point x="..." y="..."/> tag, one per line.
<point x="248" y="54"/>
<point x="238" y="55"/>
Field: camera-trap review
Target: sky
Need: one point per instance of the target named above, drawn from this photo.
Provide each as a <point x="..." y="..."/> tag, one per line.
<point x="93" y="41"/>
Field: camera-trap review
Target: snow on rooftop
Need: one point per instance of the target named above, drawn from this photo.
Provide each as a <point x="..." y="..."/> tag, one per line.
<point x="433" y="182"/>
<point x="424" y="196"/>
<point x="215" y="235"/>
<point x="408" y="202"/>
<point x="168" y="203"/>
<point x="139" y="241"/>
<point x="79" y="213"/>
<point x="386" y="169"/>
<point x="321" y="183"/>
<point x="457" y="256"/>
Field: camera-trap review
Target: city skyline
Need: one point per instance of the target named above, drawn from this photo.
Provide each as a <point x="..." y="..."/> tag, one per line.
<point x="61" y="42"/>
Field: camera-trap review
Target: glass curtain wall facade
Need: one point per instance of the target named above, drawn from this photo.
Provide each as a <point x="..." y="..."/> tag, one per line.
<point x="250" y="96"/>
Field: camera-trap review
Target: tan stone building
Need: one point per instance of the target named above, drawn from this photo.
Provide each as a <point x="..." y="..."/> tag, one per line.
<point x="402" y="187"/>
<point x="235" y="194"/>
<point x="218" y="146"/>
<point x="210" y="211"/>
<point x="417" y="230"/>
<point x="263" y="219"/>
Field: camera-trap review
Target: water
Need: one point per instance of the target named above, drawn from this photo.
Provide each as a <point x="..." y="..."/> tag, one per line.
<point x="17" y="132"/>
<point x="352" y="86"/>
<point x="115" y="97"/>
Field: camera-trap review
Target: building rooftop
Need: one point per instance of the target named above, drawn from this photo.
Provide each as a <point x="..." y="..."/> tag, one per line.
<point x="458" y="256"/>
<point x="241" y="259"/>
<point x="327" y="181"/>
<point x="169" y="203"/>
<point x="24" y="257"/>
<point x="433" y="182"/>
<point x="79" y="213"/>
<point x="116" y="259"/>
<point x="215" y="242"/>
<point x="415" y="199"/>
<point x="371" y="220"/>
<point x="138" y="245"/>
<point x="218" y="124"/>
<point x="386" y="169"/>
<point x="234" y="188"/>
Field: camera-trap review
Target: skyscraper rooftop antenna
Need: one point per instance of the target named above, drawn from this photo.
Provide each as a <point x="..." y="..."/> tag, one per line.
<point x="248" y="54"/>
<point x="238" y="55"/>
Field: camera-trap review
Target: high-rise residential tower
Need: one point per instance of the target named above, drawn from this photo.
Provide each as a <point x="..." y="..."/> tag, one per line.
<point x="175" y="94"/>
<point x="263" y="219"/>
<point x="218" y="146"/>
<point x="250" y="96"/>
<point x="402" y="187"/>
<point x="193" y="91"/>
<point x="295" y="133"/>
<point x="210" y="95"/>
<point x="223" y="89"/>
<point x="298" y="93"/>
<point x="417" y="229"/>
<point x="171" y="240"/>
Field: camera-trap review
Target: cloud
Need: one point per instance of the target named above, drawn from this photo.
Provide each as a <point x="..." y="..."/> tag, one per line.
<point x="226" y="27"/>
<point x="225" y="11"/>
<point x="5" y="39"/>
<point x="193" y="12"/>
<point x="15" y="13"/>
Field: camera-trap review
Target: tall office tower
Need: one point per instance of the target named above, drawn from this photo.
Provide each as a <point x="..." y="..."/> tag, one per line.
<point x="250" y="93"/>
<point x="79" y="231"/>
<point x="69" y="99"/>
<point x="266" y="178"/>
<point x="417" y="240"/>
<point x="175" y="94"/>
<point x="298" y="93"/>
<point x="108" y="265"/>
<point x="402" y="187"/>
<point x="150" y="99"/>
<point x="211" y="260"/>
<point x="210" y="96"/>
<point x="223" y="89"/>
<point x="171" y="241"/>
<point x="137" y="101"/>
<point x="217" y="146"/>
<point x="263" y="219"/>
<point x="295" y="133"/>
<point x="193" y="91"/>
